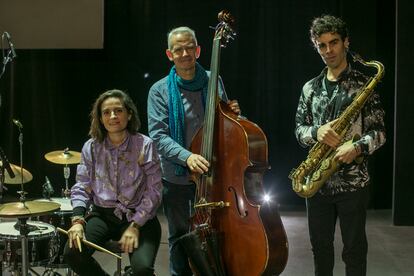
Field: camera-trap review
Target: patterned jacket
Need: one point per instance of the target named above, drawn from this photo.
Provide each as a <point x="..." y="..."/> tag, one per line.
<point x="316" y="109"/>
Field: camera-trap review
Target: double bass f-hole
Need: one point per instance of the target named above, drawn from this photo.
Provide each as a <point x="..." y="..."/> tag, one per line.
<point x="239" y="203"/>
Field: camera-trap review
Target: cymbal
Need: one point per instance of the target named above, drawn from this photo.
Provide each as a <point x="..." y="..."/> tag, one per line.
<point x="63" y="157"/>
<point x="27" y="176"/>
<point x="27" y="209"/>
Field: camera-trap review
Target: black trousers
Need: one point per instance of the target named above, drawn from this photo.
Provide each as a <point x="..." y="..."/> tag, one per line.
<point x="177" y="202"/>
<point x="103" y="226"/>
<point x="323" y="212"/>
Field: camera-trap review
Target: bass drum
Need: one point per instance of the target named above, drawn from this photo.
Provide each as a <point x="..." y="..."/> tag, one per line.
<point x="61" y="219"/>
<point x="42" y="244"/>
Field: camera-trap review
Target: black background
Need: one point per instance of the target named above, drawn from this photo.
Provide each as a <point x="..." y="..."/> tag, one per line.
<point x="264" y="68"/>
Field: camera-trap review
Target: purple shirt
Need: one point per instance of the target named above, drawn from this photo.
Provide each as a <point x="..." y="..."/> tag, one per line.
<point x="124" y="177"/>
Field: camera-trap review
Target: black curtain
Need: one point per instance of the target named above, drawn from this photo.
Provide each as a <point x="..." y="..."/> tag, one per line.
<point x="403" y="192"/>
<point x="51" y="91"/>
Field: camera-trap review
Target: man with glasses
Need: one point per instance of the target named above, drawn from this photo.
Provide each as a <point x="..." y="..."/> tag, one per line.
<point x="175" y="112"/>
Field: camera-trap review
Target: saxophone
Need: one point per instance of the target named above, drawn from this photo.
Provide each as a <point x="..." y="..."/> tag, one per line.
<point x="319" y="166"/>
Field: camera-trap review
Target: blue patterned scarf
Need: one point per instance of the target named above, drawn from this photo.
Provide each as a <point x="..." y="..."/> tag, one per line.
<point x="175" y="103"/>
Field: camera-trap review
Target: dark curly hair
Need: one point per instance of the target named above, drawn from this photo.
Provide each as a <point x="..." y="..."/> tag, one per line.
<point x="328" y="24"/>
<point x="97" y="129"/>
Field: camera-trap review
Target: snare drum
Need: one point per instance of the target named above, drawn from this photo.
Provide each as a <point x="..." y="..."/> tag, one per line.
<point x="42" y="244"/>
<point x="60" y="219"/>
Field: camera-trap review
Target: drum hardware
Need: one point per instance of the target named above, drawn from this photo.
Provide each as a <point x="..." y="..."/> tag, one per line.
<point x="33" y="251"/>
<point x="8" y="254"/>
<point x="30" y="227"/>
<point x="27" y="209"/>
<point x="22" y="211"/>
<point x="62" y="219"/>
<point x="42" y="245"/>
<point x="21" y="175"/>
<point x="66" y="174"/>
<point x="5" y="163"/>
<point x="47" y="189"/>
<point x="65" y="157"/>
<point x="12" y="174"/>
<point x="4" y="166"/>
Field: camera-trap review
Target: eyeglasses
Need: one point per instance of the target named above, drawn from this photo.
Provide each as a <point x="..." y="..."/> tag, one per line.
<point x="180" y="50"/>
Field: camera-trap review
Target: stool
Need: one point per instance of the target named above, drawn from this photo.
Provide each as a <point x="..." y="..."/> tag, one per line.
<point x="113" y="246"/>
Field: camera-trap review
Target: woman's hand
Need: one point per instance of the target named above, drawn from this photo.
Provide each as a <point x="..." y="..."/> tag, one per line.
<point x="75" y="234"/>
<point x="129" y="239"/>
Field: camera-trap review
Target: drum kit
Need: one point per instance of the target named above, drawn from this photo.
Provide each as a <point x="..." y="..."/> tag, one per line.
<point x="30" y="243"/>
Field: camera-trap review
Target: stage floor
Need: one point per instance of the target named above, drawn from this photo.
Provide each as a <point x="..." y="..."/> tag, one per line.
<point x="390" y="252"/>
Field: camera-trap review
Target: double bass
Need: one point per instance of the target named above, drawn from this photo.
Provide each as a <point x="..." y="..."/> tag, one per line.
<point x="235" y="230"/>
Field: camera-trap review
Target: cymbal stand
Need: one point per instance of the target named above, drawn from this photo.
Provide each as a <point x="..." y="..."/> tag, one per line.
<point x="24" y="231"/>
<point x="66" y="174"/>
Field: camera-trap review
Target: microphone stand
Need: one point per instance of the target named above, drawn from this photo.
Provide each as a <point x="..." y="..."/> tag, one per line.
<point x="6" y="58"/>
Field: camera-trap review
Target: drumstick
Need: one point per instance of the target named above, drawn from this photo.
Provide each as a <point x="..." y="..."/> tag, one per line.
<point x="79" y="243"/>
<point x="91" y="244"/>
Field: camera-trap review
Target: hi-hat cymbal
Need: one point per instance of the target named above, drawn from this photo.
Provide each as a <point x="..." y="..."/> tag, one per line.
<point x="63" y="157"/>
<point x="27" y="176"/>
<point x="27" y="209"/>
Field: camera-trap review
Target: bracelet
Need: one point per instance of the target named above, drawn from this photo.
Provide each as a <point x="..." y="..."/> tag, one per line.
<point x="82" y="222"/>
<point x="134" y="225"/>
<point x="78" y="220"/>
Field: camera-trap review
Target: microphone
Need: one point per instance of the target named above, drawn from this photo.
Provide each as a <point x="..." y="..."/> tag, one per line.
<point x="47" y="188"/>
<point x="6" y="164"/>
<point x="11" y="46"/>
<point x="17" y="123"/>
